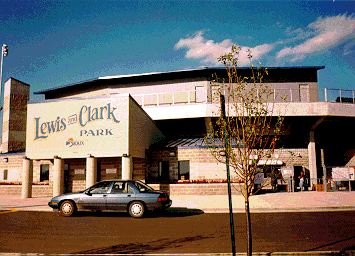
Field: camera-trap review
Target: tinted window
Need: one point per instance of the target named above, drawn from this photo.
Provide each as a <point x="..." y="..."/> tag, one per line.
<point x="5" y="174"/>
<point x="119" y="187"/>
<point x="142" y="187"/>
<point x="44" y="175"/>
<point x="184" y="170"/>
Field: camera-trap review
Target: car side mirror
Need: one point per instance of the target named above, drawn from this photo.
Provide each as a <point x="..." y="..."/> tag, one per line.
<point x="88" y="193"/>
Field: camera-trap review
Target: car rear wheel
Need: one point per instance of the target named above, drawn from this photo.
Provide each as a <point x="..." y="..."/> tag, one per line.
<point x="67" y="208"/>
<point x="136" y="209"/>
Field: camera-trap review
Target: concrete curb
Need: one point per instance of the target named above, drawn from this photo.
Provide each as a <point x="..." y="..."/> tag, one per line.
<point x="315" y="253"/>
<point x="274" y="210"/>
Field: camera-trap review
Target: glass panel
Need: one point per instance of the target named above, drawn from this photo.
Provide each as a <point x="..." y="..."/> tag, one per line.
<point x="101" y="188"/>
<point x="143" y="187"/>
<point x="119" y="187"/>
<point x="44" y="175"/>
<point x="184" y="170"/>
<point x="5" y="174"/>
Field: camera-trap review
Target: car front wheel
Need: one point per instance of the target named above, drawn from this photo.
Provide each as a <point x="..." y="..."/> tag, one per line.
<point x="67" y="208"/>
<point x="136" y="209"/>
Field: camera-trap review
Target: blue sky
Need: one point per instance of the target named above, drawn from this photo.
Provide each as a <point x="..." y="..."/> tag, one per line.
<point x="54" y="43"/>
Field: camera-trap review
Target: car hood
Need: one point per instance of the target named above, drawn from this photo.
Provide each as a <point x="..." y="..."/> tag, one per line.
<point x="74" y="195"/>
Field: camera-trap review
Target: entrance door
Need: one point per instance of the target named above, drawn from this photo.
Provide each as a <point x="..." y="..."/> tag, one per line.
<point x="98" y="174"/>
<point x="67" y="187"/>
<point x="304" y="93"/>
<point x="296" y="175"/>
<point x="164" y="171"/>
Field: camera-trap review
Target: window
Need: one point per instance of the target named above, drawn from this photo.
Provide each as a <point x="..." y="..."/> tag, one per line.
<point x="119" y="187"/>
<point x="5" y="174"/>
<point x="101" y="188"/>
<point x="142" y="187"/>
<point x="184" y="170"/>
<point x="44" y="175"/>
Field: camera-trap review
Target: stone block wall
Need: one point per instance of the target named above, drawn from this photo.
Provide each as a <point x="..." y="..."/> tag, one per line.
<point x="203" y="166"/>
<point x="12" y="164"/>
<point x="16" y="95"/>
<point x="37" y="190"/>
<point x="110" y="168"/>
<point x="197" y="189"/>
<point x="139" y="168"/>
<point x="75" y="179"/>
<point x="37" y="170"/>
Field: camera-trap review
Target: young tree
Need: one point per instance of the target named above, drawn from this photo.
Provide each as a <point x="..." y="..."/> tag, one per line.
<point x="248" y="128"/>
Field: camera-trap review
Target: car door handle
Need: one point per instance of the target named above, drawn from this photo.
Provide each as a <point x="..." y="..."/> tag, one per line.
<point x="104" y="195"/>
<point x="128" y="195"/>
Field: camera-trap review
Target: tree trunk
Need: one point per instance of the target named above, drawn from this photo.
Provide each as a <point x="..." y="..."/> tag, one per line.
<point x="248" y="226"/>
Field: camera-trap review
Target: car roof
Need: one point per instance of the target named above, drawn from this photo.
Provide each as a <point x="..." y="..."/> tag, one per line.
<point x="117" y="180"/>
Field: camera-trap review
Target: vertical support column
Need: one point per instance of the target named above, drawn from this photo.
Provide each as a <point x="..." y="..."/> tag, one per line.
<point x="325" y="181"/>
<point x="127" y="167"/>
<point x="27" y="178"/>
<point x="91" y="171"/>
<point x="312" y="158"/>
<point x="58" y="176"/>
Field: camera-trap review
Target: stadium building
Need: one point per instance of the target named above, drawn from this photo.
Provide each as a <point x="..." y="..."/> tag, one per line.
<point x="151" y="127"/>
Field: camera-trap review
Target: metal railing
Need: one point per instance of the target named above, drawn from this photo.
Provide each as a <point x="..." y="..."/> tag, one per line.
<point x="170" y="98"/>
<point x="333" y="185"/>
<point x="272" y="95"/>
<point x="339" y="95"/>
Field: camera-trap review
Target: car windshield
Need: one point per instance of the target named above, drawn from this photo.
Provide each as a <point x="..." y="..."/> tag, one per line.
<point x="143" y="187"/>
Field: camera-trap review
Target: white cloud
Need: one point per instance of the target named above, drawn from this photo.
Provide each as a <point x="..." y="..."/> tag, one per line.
<point x="325" y="33"/>
<point x="208" y="51"/>
<point x="349" y="48"/>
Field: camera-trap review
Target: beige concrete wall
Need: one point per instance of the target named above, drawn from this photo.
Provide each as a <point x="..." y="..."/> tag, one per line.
<point x="285" y="109"/>
<point x="102" y="127"/>
<point x="76" y="128"/>
<point x="142" y="131"/>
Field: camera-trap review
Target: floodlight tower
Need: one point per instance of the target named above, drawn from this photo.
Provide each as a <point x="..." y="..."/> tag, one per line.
<point x="4" y="53"/>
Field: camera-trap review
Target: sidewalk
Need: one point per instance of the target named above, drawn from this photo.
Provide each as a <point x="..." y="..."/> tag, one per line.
<point x="273" y="202"/>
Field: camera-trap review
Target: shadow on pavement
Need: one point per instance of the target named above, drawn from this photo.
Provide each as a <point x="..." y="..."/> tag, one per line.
<point x="176" y="212"/>
<point x="322" y="247"/>
<point x="23" y="206"/>
<point x="143" y="248"/>
<point x="173" y="212"/>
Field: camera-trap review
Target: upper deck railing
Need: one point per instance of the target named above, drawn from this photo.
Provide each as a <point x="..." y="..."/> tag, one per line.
<point x="274" y="95"/>
<point x="339" y="95"/>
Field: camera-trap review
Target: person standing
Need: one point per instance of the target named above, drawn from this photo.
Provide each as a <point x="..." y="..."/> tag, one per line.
<point x="301" y="183"/>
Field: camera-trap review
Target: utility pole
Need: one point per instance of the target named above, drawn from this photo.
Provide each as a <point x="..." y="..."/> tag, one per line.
<point x="226" y="146"/>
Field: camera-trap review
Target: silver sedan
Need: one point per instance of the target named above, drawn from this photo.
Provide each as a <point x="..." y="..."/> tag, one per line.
<point x="135" y="197"/>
